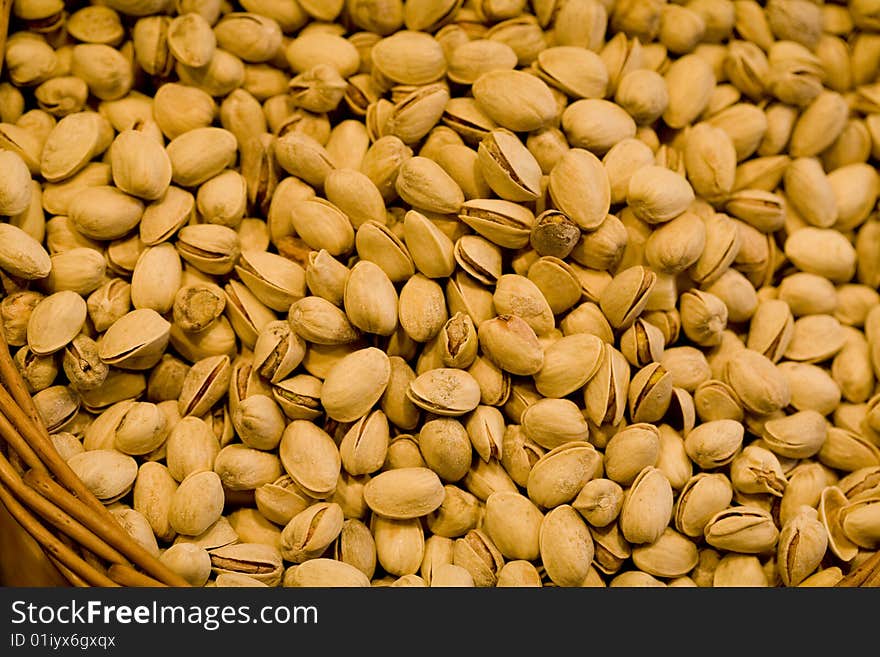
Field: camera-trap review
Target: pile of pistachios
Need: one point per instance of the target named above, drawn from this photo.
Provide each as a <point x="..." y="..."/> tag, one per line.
<point x="454" y="293"/>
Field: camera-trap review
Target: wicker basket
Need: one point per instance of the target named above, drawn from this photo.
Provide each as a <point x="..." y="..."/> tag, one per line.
<point x="55" y="532"/>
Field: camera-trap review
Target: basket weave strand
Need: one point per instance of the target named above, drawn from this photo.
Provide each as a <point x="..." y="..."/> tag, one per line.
<point x="51" y="491"/>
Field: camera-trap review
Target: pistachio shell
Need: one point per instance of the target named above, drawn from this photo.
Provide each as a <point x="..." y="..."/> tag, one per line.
<point x="55" y="321"/>
<point x="310" y="457"/>
<point x="404" y="493"/>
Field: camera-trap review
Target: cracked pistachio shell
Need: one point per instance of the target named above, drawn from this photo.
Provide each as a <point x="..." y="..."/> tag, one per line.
<point x="847" y="450"/>
<point x="413" y="116"/>
<point x="723" y="240"/>
<point x="280" y="500"/>
<point x="624" y="298"/>
<point x="54" y="321"/>
<point x="477" y="555"/>
<point x="861" y="483"/>
<point x="377" y="243"/>
<point x="430" y="248"/>
<point x="677" y="244"/>
<point x="650" y="393"/>
<point x="326" y="276"/>
<point x="508" y="167"/>
<point x="204" y="385"/>
<point x="135" y="341"/>
<point x="276" y="281"/>
<point x="519" y="453"/>
<point x="459" y="512"/>
<point x="799" y="435"/>
<point x="278" y="351"/>
<point x="611" y="550"/>
<point x="559" y="475"/>
<point x="257" y="560"/>
<point x="756" y="470"/>
<point x="815" y="338"/>
<point x="364" y="447"/>
<point x="569" y="363"/>
<point x="704" y="495"/>
<point x="311" y="458"/>
<point x="805" y="485"/>
<point x="803" y="542"/>
<point x="860" y="521"/>
<point x="355" y="546"/>
<point x="771" y="329"/>
<point x="141" y="430"/>
<point x="578" y="72"/>
<point x="758" y="383"/>
<point x="485" y="428"/>
<point x="502" y="222"/>
<point x="210" y="248"/>
<point x="105" y="472"/>
<point x="554" y="234"/>
<point x="458" y="341"/>
<point x="647" y="507"/>
<point x="745" y="529"/>
<point x="310" y="532"/>
<point x="355" y="384"/>
<point x="832" y="502"/>
<point x="605" y="395"/>
<point x="445" y="391"/>
<point x="579" y="187"/>
<point x="642" y="343"/>
<point x="479" y="258"/>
